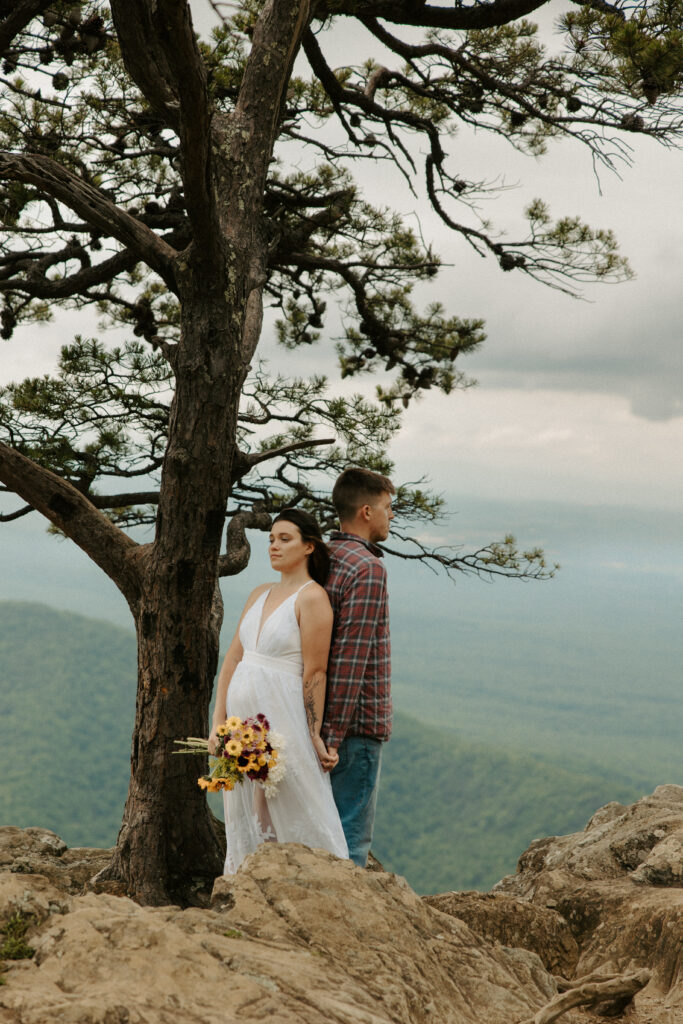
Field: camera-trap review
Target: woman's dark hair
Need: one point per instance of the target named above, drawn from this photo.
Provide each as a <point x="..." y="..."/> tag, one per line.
<point x="319" y="558"/>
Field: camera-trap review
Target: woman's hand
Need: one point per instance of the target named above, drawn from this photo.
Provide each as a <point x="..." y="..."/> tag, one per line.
<point x="213" y="740"/>
<point x="328" y="757"/>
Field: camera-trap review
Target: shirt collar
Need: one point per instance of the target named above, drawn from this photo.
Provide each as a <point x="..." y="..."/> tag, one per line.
<point x="340" y="535"/>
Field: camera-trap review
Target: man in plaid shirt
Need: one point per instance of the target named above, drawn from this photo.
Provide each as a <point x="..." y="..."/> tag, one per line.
<point x="358" y="709"/>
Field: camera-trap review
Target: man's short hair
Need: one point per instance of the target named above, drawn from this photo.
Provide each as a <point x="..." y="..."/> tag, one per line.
<point x="356" y="487"/>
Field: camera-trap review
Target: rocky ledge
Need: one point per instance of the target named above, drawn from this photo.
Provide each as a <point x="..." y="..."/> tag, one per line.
<point x="590" y="923"/>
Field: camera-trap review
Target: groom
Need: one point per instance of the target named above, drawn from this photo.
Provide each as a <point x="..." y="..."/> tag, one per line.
<point x="358" y="709"/>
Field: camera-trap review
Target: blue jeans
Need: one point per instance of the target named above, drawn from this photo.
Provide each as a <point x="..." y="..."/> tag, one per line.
<point x="355" y="782"/>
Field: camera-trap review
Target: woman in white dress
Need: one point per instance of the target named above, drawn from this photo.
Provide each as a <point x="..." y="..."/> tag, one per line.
<point x="276" y="665"/>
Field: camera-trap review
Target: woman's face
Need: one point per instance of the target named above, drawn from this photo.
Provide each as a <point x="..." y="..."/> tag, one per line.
<point x="287" y="548"/>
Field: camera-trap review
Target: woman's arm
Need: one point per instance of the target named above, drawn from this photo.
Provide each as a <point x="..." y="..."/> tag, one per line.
<point x="315" y="623"/>
<point x="230" y="663"/>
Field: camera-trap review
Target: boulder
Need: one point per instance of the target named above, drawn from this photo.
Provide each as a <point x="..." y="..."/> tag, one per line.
<point x="39" y="851"/>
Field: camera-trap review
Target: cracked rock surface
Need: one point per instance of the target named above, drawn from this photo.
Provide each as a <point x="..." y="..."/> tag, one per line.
<point x="619" y="886"/>
<point x="304" y="938"/>
<point x="296" y="936"/>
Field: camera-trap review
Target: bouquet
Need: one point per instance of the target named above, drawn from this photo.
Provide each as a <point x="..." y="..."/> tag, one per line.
<point x="246" y="747"/>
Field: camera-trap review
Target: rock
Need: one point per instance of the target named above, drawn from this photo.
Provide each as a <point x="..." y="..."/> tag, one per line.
<point x="515" y="922"/>
<point x="619" y="886"/>
<point x="304" y="938"/>
<point x="663" y="865"/>
<point x="29" y="895"/>
<point x="615" y="843"/>
<point x="296" y="936"/>
<point x="39" y="851"/>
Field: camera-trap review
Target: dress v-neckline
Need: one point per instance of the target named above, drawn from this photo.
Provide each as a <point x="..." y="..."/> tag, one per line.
<point x="264" y="622"/>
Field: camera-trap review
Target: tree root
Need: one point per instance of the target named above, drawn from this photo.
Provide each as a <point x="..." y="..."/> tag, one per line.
<point x="613" y="993"/>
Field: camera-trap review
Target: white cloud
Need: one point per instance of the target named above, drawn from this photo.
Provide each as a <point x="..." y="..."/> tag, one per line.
<point x="585" y="448"/>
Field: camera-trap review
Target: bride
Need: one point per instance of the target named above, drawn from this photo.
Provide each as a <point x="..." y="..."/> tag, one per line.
<point x="276" y="665"/>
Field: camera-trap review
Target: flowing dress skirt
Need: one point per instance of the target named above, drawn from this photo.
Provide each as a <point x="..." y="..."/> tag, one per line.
<point x="302" y="810"/>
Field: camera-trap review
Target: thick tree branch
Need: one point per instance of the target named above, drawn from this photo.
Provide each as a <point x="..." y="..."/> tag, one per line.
<point x="238" y="548"/>
<point x="11" y="516"/>
<point x="145" y="57"/>
<point x="38" y="286"/>
<point x="296" y="446"/>
<point x="173" y="31"/>
<point x="90" y="204"/>
<point x="244" y="462"/>
<point x="73" y="514"/>
<point x="478" y="16"/>
<point x="178" y="39"/>
<point x="276" y="41"/>
<point x="15" y="16"/>
<point x="124" y="500"/>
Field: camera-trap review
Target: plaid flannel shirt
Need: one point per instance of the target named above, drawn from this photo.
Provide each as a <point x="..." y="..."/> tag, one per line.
<point x="359" y="671"/>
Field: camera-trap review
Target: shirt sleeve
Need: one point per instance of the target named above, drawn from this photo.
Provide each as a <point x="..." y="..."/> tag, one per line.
<point x="356" y="624"/>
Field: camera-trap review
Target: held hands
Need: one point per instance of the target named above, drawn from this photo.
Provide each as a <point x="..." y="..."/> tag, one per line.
<point x="327" y="756"/>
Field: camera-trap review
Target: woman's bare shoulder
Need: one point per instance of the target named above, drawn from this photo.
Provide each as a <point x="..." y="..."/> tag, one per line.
<point x="255" y="594"/>
<point x="314" y="595"/>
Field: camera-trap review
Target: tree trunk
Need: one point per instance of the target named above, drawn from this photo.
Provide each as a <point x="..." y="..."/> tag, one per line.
<point x="168" y="850"/>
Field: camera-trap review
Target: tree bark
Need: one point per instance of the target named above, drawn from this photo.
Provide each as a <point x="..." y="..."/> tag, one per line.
<point x="167" y="850"/>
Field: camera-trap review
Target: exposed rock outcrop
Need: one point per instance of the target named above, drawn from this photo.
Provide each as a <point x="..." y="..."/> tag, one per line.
<point x="515" y="922"/>
<point x="619" y="886"/>
<point x="296" y="936"/>
<point x="37" y="851"/>
<point x="300" y="936"/>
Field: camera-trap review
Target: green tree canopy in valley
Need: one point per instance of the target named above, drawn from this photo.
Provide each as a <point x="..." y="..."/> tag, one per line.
<point x="176" y="187"/>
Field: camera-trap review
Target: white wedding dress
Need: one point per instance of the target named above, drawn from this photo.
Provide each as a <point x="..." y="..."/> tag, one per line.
<point x="269" y="680"/>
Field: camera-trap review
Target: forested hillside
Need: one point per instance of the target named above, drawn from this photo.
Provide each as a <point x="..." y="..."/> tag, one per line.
<point x="453" y="814"/>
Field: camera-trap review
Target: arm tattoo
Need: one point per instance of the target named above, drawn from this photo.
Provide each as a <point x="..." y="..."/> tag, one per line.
<point x="309" y="705"/>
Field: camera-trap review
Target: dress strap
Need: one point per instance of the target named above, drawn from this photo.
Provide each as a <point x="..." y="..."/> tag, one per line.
<point x="296" y="592"/>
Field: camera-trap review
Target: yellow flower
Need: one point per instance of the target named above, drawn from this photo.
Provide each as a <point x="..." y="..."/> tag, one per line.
<point x="261" y="760"/>
<point x="243" y="767"/>
<point x="222" y="730"/>
<point x="248" y="735"/>
<point x="233" y="748"/>
<point x="233" y="723"/>
<point x="203" y="783"/>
